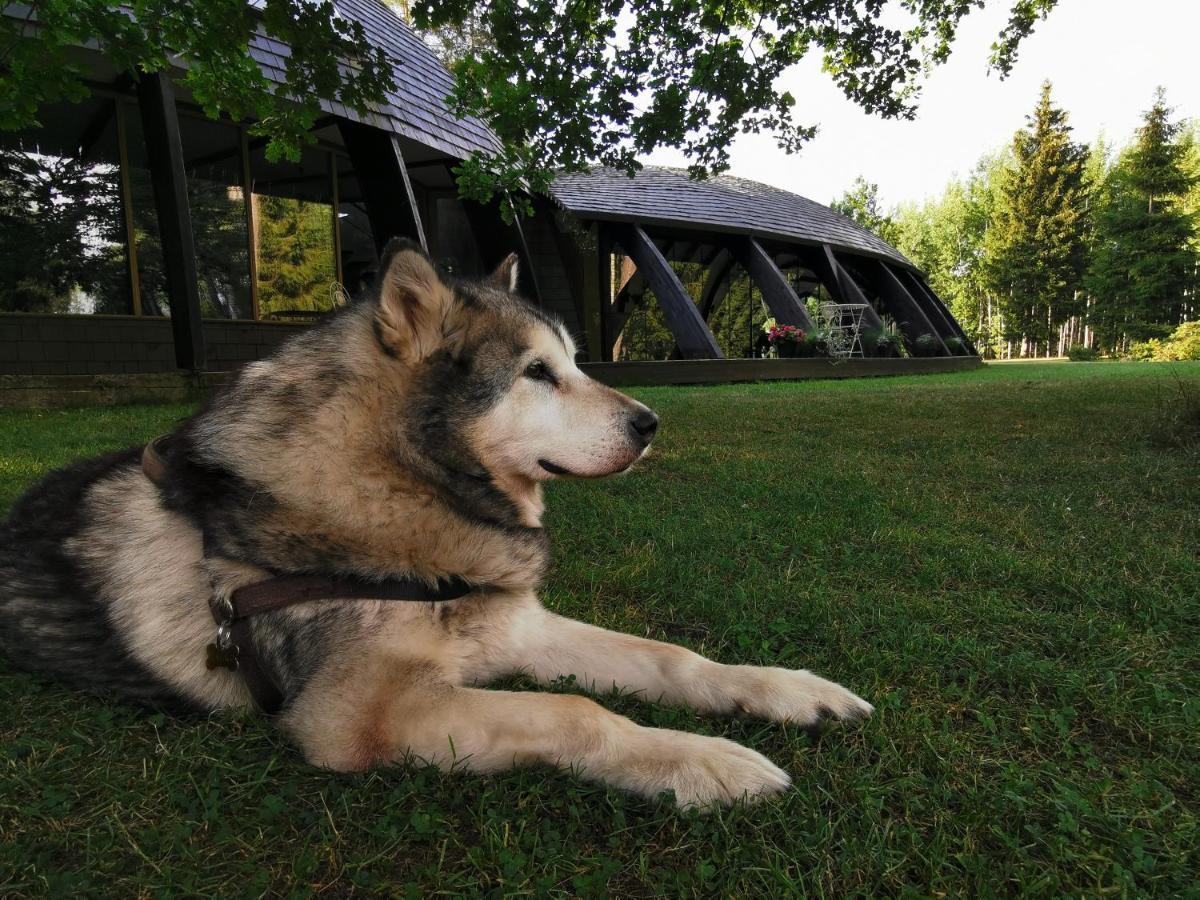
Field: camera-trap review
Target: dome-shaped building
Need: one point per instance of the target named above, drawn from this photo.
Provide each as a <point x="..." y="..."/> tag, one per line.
<point x="795" y="254"/>
<point x="191" y="250"/>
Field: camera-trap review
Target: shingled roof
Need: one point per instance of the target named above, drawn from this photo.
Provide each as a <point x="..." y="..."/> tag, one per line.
<point x="669" y="197"/>
<point x="417" y="109"/>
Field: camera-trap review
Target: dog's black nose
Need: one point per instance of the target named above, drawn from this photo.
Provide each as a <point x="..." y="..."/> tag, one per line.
<point x="643" y="424"/>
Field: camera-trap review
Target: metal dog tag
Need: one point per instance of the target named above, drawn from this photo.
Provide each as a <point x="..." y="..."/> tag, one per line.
<point x="225" y="659"/>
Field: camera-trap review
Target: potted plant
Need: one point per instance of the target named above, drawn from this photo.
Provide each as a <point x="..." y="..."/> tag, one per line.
<point x="956" y="346"/>
<point x="816" y="343"/>
<point x="870" y="339"/>
<point x="786" y="339"/>
<point x="925" y="345"/>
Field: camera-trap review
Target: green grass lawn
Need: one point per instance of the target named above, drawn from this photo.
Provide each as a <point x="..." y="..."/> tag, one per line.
<point x="1000" y="560"/>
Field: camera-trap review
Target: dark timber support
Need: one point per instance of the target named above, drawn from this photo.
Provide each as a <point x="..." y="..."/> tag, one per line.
<point x="528" y="271"/>
<point x="785" y="306"/>
<point x="383" y="178"/>
<point x="716" y="285"/>
<point x="607" y="315"/>
<point x="906" y="309"/>
<point x="940" y="321"/>
<point x="955" y="327"/>
<point x="691" y="333"/>
<point x="164" y="153"/>
<point x="840" y="284"/>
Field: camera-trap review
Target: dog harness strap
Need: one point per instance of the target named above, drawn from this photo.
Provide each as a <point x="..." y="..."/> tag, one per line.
<point x="234" y="646"/>
<point x="287" y="590"/>
<point x="233" y="618"/>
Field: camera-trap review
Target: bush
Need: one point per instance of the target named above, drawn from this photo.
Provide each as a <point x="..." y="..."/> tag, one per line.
<point x="1144" y="351"/>
<point x="1080" y="353"/>
<point x="956" y="346"/>
<point x="1184" y="343"/>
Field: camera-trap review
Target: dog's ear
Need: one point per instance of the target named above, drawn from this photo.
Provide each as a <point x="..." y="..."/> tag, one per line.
<point x="412" y="319"/>
<point x="506" y="274"/>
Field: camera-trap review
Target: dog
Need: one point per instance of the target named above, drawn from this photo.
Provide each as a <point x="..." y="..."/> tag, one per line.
<point x="405" y="438"/>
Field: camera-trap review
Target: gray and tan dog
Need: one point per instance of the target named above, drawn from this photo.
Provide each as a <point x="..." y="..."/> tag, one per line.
<point x="406" y="437"/>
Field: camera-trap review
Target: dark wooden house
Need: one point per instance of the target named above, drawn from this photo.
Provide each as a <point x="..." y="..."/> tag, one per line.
<point x="138" y="236"/>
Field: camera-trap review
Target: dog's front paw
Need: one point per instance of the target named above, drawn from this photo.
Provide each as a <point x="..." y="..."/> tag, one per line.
<point x="702" y="771"/>
<point x="797" y="696"/>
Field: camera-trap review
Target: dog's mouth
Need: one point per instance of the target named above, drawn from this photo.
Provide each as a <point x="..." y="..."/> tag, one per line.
<point x="555" y="469"/>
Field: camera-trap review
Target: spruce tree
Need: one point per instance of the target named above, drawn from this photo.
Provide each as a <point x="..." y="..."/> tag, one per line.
<point x="1036" y="244"/>
<point x="1143" y="267"/>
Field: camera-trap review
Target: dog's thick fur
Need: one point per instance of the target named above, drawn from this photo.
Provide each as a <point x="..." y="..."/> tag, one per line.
<point x="409" y="435"/>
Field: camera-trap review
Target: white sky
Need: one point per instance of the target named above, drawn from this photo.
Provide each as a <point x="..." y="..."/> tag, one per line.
<point x="1105" y="58"/>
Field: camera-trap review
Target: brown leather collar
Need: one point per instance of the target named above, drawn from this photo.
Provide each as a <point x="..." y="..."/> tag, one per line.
<point x="234" y="645"/>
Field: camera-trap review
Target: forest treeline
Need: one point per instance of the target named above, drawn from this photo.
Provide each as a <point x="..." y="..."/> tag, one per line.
<point x="1051" y="244"/>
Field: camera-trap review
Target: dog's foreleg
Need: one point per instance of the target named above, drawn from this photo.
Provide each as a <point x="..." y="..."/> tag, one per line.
<point x="549" y="646"/>
<point x="384" y="711"/>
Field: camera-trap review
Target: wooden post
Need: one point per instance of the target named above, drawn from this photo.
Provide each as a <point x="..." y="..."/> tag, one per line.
<point x="839" y="283"/>
<point x="251" y="222"/>
<point x="135" y="288"/>
<point x="337" y="221"/>
<point x="386" y="189"/>
<point x="783" y="302"/>
<point x="164" y="151"/>
<point x="691" y="332"/>
<point x="716" y="284"/>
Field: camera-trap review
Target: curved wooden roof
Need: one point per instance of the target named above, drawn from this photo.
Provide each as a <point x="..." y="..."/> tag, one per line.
<point x="418" y="108"/>
<point x="671" y="198"/>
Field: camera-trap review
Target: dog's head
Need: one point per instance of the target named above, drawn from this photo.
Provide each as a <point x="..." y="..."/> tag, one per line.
<point x="492" y="381"/>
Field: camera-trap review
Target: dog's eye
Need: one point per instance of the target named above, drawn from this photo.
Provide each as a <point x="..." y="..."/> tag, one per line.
<point x="539" y="371"/>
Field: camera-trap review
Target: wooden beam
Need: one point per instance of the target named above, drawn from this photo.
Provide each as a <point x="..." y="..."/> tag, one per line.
<point x="906" y="309"/>
<point x="528" y="269"/>
<point x="251" y="221"/>
<point x="604" y="287"/>
<point x="716" y="285"/>
<point x="398" y="157"/>
<point x="691" y="332"/>
<point x="595" y="288"/>
<point x="386" y="189"/>
<point x="939" y="319"/>
<point x="837" y="281"/>
<point x="785" y="306"/>
<point x="955" y="327"/>
<point x="164" y="153"/>
<point x="135" y="288"/>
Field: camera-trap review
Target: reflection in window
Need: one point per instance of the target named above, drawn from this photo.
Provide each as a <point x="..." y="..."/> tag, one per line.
<point x="293" y="218"/>
<point x="62" y="228"/>
<point x="213" y="166"/>
<point x="213" y="163"/>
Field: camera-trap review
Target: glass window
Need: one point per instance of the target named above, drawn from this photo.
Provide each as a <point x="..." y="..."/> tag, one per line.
<point x="293" y="220"/>
<point x="62" y="220"/>
<point x="212" y="157"/>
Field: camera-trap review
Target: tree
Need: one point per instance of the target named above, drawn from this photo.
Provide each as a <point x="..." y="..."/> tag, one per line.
<point x="945" y="238"/>
<point x="1036" y="244"/>
<point x="861" y="204"/>
<point x="1143" y="269"/>
<point x="561" y="84"/>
